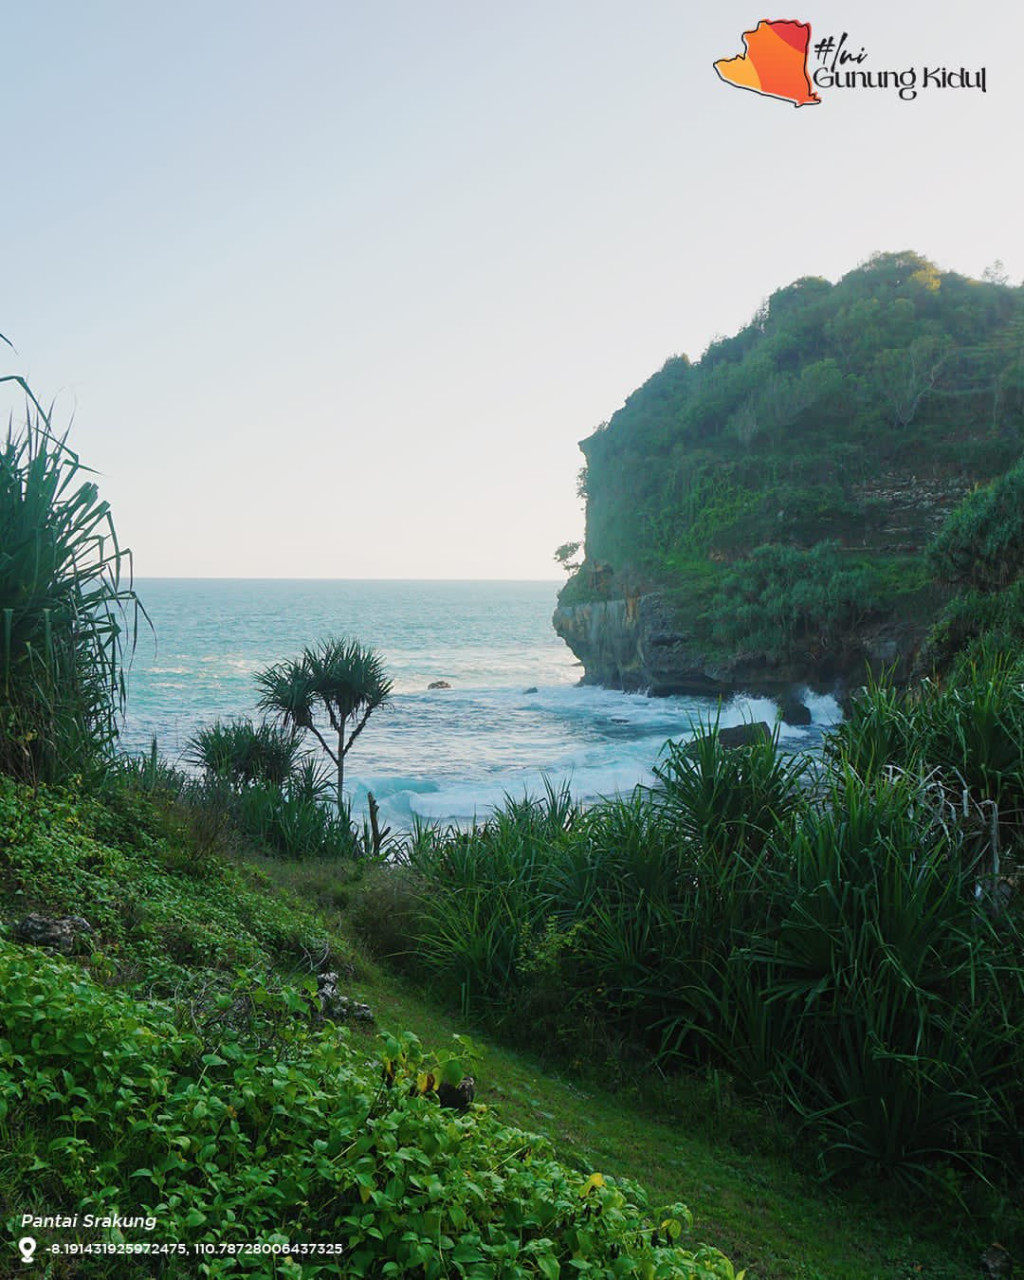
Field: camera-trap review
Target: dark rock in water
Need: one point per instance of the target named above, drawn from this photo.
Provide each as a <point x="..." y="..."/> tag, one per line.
<point x="439" y="684"/>
<point x="59" y="935"/>
<point x="744" y="735"/>
<point x="337" y="1007"/>
<point x="793" y="711"/>
<point x="532" y="689"/>
<point x="457" y="1096"/>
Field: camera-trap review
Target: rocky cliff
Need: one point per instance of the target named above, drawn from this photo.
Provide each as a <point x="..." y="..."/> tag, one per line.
<point x="643" y="643"/>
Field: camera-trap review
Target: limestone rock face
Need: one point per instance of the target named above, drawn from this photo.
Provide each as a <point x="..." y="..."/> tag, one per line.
<point x="636" y="644"/>
<point x="644" y="642"/>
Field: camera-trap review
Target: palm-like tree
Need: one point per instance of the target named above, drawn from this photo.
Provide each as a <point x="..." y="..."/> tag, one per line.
<point x="337" y="678"/>
<point x="68" y="613"/>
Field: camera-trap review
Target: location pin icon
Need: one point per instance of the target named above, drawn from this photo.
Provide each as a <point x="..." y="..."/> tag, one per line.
<point x="27" y="1246"/>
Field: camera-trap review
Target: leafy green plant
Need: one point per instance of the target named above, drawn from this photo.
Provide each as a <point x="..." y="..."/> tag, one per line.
<point x="969" y="727"/>
<point x="844" y="952"/>
<point x="975" y="620"/>
<point x="981" y="544"/>
<point x="295" y="1139"/>
<point x="292" y="823"/>
<point x="277" y="792"/>
<point x="884" y="957"/>
<point x="878" y="731"/>
<point x="779" y="598"/>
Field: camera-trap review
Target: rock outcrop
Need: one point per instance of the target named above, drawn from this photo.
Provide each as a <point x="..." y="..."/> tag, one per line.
<point x="643" y="643"/>
<point x="338" y="1007"/>
<point x="744" y="735"/>
<point x="56" y="935"/>
<point x="793" y="711"/>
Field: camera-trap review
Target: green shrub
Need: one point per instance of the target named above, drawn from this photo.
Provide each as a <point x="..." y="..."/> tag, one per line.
<point x="385" y="912"/>
<point x="780" y="598"/>
<point x="878" y="730"/>
<point x="107" y="1106"/>
<point x="729" y="801"/>
<point x="280" y="797"/>
<point x="981" y="545"/>
<point x="974" y="621"/>
<point x="154" y="914"/>
<point x="291" y="823"/>
<point x="843" y="952"/>
<point x="969" y="728"/>
<point x="486" y="894"/>
<point x="902" y="1023"/>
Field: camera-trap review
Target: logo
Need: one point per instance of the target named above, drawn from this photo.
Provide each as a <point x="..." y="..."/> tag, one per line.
<point x="777" y="62"/>
<point x="774" y="64"/>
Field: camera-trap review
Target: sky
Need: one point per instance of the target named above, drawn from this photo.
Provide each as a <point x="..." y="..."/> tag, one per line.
<point x="333" y="289"/>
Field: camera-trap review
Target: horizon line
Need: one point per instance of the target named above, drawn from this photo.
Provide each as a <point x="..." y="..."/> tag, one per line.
<point x="194" y="577"/>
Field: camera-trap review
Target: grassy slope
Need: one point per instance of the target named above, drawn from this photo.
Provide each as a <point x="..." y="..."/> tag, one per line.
<point x="169" y="915"/>
<point x="747" y="1197"/>
<point x="756" y="1208"/>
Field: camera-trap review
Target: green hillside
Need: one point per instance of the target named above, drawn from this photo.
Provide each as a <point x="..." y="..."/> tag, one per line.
<point x="786" y="486"/>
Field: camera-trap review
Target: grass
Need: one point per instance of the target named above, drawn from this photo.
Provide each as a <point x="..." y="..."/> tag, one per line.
<point x="688" y="1139"/>
<point x="829" y="951"/>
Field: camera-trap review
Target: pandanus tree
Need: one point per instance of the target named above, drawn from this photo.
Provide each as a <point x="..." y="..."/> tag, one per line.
<point x="68" y="614"/>
<point x="330" y="690"/>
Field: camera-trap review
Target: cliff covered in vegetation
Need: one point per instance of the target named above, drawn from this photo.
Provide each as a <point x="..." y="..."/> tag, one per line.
<point x="769" y="514"/>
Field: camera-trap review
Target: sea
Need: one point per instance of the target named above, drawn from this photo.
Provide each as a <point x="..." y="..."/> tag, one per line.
<point x="514" y="716"/>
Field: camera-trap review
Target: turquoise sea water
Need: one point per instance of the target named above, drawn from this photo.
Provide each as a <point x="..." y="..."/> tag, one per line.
<point x="445" y="754"/>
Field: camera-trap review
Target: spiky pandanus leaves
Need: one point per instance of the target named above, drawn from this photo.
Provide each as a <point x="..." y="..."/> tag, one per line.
<point x="338" y="679"/>
<point x="66" y="614"/>
<point x="246" y="754"/>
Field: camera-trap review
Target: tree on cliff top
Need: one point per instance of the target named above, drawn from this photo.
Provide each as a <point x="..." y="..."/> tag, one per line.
<point x="339" y="679"/>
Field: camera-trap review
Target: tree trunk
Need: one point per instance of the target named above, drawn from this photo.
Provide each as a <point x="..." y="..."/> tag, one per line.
<point x="341" y="768"/>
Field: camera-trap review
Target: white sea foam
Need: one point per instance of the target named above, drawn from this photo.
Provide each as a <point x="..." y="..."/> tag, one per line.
<point x="824" y="709"/>
<point x="443" y="754"/>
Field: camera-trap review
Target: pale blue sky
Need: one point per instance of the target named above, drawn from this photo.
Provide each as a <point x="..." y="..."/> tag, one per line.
<point x="334" y="289"/>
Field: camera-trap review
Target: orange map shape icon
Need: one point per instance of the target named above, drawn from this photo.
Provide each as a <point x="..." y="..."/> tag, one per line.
<point x="775" y="63"/>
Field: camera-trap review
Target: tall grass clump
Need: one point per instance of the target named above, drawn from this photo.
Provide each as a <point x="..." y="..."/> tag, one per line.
<point x="729" y="801"/>
<point x="889" y="971"/>
<point x="277" y="794"/>
<point x="965" y="732"/>
<point x="618" y="916"/>
<point x="68" y="614"/>
<point x="848" y="953"/>
<point x="488" y="893"/>
<point x="242" y="753"/>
